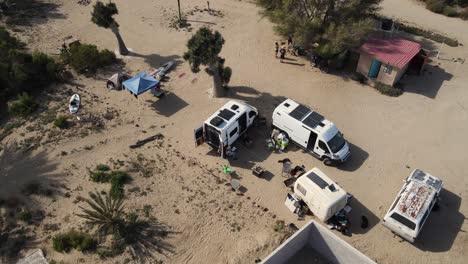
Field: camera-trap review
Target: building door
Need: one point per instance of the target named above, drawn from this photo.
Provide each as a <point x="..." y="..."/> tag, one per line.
<point x="374" y="69"/>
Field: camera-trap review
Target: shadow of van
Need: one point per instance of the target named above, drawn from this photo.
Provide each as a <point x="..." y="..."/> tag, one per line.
<point x="358" y="212"/>
<point x="443" y="225"/>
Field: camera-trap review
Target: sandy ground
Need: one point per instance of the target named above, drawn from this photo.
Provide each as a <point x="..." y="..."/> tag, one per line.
<point x="424" y="128"/>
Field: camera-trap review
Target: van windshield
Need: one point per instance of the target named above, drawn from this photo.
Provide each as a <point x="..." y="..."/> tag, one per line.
<point x="403" y="220"/>
<point x="337" y="142"/>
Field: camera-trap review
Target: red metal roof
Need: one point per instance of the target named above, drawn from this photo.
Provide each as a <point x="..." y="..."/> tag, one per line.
<point x="396" y="52"/>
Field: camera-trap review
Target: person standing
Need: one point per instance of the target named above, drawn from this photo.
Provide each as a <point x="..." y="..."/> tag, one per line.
<point x="276" y="49"/>
<point x="290" y="41"/>
<point x="282" y="53"/>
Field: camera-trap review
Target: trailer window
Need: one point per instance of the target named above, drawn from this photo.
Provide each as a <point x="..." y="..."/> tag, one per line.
<point x="233" y="132"/>
<point x="301" y="189"/>
<point x="404" y="221"/>
<point x="252" y="114"/>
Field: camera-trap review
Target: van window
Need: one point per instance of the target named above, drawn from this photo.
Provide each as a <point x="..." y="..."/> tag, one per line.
<point x="301" y="189"/>
<point x="252" y="114"/>
<point x="404" y="221"/>
<point x="233" y="132"/>
<point x="323" y="146"/>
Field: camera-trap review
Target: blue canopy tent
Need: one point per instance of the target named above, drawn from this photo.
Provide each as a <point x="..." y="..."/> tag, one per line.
<point x="140" y="83"/>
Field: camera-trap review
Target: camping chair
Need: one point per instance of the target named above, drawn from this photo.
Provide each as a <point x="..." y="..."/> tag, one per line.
<point x="286" y="170"/>
<point x="235" y="184"/>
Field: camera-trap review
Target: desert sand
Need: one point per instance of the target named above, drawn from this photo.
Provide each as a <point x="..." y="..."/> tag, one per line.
<point x="424" y="128"/>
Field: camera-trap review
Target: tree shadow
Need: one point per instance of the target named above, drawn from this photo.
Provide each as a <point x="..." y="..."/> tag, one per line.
<point x="168" y="105"/>
<point x="355" y="161"/>
<point x="443" y="225"/>
<point x="24" y="177"/>
<point x="30" y="13"/>
<point x="155" y="60"/>
<point x="356" y="215"/>
<point x="17" y="169"/>
<point x="145" y="237"/>
<point x="428" y="83"/>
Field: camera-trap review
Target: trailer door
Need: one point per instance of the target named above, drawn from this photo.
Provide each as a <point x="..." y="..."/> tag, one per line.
<point x="199" y="136"/>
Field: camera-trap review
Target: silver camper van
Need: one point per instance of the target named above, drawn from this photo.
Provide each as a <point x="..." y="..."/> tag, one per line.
<point x="226" y="125"/>
<point x="413" y="204"/>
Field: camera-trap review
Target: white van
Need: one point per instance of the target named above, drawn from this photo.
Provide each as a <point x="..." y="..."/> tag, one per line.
<point x="323" y="196"/>
<point x="311" y="131"/>
<point x="226" y="125"/>
<point x="414" y="203"/>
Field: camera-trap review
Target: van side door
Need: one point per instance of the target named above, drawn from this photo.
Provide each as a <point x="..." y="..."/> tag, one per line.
<point x="232" y="134"/>
<point x="321" y="149"/>
<point x="199" y="136"/>
<point x="312" y="141"/>
<point x="242" y="123"/>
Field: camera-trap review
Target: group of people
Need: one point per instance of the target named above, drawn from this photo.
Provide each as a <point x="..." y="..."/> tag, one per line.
<point x="282" y="50"/>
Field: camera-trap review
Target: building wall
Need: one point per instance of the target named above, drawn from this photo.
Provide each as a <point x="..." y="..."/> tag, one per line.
<point x="364" y="63"/>
<point x="331" y="248"/>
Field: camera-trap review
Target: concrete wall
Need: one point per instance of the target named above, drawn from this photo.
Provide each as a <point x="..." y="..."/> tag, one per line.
<point x="364" y="63"/>
<point x="330" y="247"/>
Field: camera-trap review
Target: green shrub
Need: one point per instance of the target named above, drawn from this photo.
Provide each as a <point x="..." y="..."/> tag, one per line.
<point x="107" y="57"/>
<point x="61" y="122"/>
<point x="99" y="176"/>
<point x="23" y="106"/>
<point x="73" y="239"/>
<point x="450" y="11"/>
<point x="86" y="58"/>
<point x="118" y="179"/>
<point x="102" y="167"/>
<point x="388" y="90"/>
<point x="435" y="6"/>
<point x="25" y="216"/>
<point x="21" y="71"/>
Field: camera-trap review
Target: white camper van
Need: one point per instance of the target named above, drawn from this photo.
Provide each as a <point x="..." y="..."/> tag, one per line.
<point x="226" y="125"/>
<point x="413" y="205"/>
<point x="311" y="131"/>
<point x="323" y="196"/>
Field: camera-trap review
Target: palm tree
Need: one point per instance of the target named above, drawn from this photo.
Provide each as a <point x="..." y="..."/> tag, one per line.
<point x="102" y="16"/>
<point x="106" y="213"/>
<point x="203" y="49"/>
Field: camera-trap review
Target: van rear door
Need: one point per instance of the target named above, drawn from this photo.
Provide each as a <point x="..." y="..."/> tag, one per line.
<point x="199" y="136"/>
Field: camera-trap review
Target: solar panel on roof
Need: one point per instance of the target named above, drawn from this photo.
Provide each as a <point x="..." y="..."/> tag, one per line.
<point x="216" y="121"/>
<point x="313" y="119"/>
<point x="226" y="114"/>
<point x="317" y="180"/>
<point x="299" y="112"/>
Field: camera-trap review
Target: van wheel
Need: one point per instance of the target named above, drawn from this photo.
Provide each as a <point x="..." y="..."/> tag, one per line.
<point x="327" y="161"/>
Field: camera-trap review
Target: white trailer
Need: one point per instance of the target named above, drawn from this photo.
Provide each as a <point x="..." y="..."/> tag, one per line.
<point x="311" y="131"/>
<point x="323" y="196"/>
<point x="226" y="125"/>
<point x="413" y="204"/>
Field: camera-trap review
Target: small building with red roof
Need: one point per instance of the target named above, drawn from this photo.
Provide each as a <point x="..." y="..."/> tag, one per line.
<point x="385" y="60"/>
